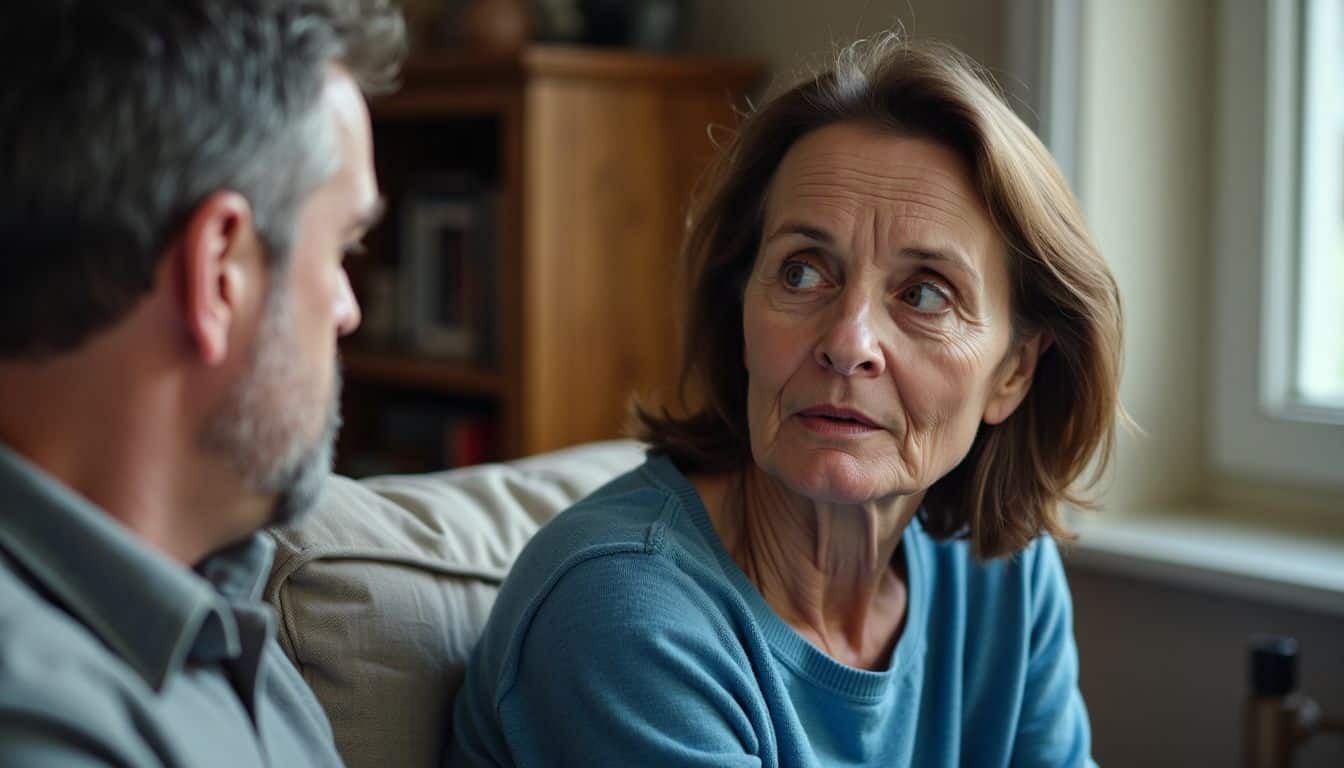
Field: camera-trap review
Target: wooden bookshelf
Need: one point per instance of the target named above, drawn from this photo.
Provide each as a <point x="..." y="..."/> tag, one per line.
<point x="593" y="154"/>
<point x="405" y="369"/>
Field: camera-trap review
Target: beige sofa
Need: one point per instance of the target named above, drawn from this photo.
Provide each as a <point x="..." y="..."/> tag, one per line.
<point x="383" y="590"/>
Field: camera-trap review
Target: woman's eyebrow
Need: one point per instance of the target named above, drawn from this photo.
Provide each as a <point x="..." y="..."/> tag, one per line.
<point x="951" y="258"/>
<point x="806" y="230"/>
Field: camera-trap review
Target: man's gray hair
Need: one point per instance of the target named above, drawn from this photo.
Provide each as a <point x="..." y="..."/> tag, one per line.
<point x="117" y="119"/>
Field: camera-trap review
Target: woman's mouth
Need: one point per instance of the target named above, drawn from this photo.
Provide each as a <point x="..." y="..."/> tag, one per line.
<point x="836" y="421"/>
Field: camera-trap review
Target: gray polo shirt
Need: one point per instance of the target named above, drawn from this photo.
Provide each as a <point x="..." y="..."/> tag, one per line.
<point x="112" y="654"/>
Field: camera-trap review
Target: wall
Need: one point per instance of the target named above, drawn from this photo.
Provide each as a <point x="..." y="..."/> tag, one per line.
<point x="1164" y="670"/>
<point x="1145" y="138"/>
<point x="794" y="36"/>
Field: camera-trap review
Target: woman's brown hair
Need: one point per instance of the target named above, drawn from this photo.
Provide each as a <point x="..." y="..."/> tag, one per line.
<point x="1008" y="488"/>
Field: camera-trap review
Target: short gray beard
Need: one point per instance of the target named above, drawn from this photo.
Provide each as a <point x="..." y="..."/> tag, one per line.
<point x="262" y="426"/>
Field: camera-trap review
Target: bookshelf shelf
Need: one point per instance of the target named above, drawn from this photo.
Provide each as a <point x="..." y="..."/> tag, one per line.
<point x="405" y="369"/>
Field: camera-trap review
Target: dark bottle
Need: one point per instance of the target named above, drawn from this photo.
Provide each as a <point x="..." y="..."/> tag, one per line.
<point x="1277" y="718"/>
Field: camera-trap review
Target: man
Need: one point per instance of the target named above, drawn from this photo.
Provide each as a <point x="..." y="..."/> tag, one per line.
<point x="179" y="180"/>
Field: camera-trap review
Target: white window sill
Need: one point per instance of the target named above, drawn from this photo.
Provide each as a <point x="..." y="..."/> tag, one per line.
<point x="1218" y="556"/>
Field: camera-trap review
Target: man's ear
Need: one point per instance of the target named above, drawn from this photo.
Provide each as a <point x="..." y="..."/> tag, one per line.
<point x="1014" y="377"/>
<point x="215" y="254"/>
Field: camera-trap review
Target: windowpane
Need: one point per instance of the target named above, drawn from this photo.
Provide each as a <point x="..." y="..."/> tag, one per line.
<point x="1320" y="343"/>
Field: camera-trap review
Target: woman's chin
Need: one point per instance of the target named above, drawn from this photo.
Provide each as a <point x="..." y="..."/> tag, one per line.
<point x="836" y="477"/>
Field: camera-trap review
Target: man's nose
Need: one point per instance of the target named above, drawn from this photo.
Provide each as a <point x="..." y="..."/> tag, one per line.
<point x="347" y="308"/>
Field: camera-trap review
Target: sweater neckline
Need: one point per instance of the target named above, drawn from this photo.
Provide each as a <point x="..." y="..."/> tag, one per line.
<point x="790" y="647"/>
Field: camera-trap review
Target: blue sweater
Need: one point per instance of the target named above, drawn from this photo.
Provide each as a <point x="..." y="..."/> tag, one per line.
<point x="627" y="636"/>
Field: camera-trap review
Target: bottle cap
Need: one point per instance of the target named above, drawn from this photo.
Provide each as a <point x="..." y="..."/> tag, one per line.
<point x="1273" y="665"/>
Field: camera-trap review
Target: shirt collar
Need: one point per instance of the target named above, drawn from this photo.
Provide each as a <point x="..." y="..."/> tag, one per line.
<point x="149" y="610"/>
<point x="239" y="572"/>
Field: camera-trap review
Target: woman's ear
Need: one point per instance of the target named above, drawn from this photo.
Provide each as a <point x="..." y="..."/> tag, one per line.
<point x="215" y="281"/>
<point x="1014" y="377"/>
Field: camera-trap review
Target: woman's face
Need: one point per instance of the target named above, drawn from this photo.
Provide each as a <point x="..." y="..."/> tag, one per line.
<point x="876" y="319"/>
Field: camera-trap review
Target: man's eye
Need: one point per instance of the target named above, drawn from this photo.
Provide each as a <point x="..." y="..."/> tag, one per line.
<point x="799" y="276"/>
<point x="925" y="297"/>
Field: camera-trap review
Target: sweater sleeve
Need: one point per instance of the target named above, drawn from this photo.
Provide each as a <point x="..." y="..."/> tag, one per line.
<point x="625" y="663"/>
<point x="1053" y="730"/>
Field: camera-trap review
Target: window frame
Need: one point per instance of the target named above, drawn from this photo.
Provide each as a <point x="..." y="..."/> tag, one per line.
<point x="1255" y="425"/>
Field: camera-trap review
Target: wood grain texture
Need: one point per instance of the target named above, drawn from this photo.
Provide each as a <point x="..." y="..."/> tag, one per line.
<point x="610" y="167"/>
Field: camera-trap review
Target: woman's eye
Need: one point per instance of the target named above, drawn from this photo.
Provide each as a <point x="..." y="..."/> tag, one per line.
<point x="925" y="297"/>
<point x="799" y="276"/>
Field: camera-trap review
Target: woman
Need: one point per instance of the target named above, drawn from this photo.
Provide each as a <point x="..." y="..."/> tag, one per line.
<point x="904" y="348"/>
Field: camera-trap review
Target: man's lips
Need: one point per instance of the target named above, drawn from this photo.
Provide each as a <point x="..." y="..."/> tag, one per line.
<point x="832" y="419"/>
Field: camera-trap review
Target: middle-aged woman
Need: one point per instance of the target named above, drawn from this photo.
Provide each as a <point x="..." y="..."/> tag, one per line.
<point x="902" y="349"/>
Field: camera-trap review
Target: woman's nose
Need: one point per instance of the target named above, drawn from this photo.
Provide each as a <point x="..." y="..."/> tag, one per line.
<point x="850" y="346"/>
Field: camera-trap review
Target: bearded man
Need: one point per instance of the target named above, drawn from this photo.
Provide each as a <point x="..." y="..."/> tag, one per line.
<point x="179" y="183"/>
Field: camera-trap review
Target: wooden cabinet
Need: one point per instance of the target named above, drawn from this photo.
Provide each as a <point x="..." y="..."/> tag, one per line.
<point x="590" y="156"/>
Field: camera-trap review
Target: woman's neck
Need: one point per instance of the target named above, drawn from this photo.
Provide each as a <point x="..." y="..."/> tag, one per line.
<point x="828" y="570"/>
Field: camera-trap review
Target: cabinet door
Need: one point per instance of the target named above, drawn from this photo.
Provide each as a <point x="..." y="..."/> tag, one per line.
<point x="609" y="166"/>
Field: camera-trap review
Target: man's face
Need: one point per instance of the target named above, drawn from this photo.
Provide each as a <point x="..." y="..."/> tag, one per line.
<point x="279" y="424"/>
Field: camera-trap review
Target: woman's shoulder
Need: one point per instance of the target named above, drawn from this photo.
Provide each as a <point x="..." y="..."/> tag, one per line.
<point x="957" y="551"/>
<point x="605" y="598"/>
<point x="953" y="567"/>
<point x="608" y="572"/>
<point x="639" y="519"/>
<point x="623" y="514"/>
<point x="1010" y="591"/>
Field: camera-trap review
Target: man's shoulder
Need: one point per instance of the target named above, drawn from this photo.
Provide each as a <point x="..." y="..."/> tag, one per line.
<point x="39" y="640"/>
<point x="56" y="676"/>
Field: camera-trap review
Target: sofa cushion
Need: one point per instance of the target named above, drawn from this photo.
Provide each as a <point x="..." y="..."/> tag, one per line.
<point x="384" y="589"/>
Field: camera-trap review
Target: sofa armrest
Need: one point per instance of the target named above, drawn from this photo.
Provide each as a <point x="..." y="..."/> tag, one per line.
<point x="382" y="592"/>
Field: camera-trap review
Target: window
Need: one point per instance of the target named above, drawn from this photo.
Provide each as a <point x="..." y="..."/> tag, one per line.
<point x="1319" y="380"/>
<point x="1277" y="328"/>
